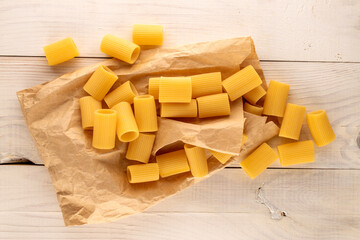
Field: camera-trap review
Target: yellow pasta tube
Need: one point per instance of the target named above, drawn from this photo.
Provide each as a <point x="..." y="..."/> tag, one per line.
<point x="61" y="51"/>
<point x="126" y="127"/>
<point x="175" y="90"/>
<point x="147" y="34"/>
<point x="275" y="99"/>
<point x="100" y="82"/>
<point x="241" y="82"/>
<point x="292" y="121"/>
<point x="154" y="84"/>
<point x="213" y="105"/>
<point x="255" y="95"/>
<point x="206" y="84"/>
<point x="221" y="157"/>
<point x="320" y="128"/>
<point x="253" y="109"/>
<point x="172" y="163"/>
<point x="179" y="110"/>
<point x="140" y="149"/>
<point x="197" y="160"/>
<point x="124" y="93"/>
<point x="88" y="105"/>
<point x="258" y="160"/>
<point x="296" y="153"/>
<point x="120" y="48"/>
<point x="104" y="129"/>
<point x="145" y="113"/>
<point x="140" y="173"/>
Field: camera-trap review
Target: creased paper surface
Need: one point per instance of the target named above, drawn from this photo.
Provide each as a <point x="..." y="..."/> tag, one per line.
<point x="91" y="185"/>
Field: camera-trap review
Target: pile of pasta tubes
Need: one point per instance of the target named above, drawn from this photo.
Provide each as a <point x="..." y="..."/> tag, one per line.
<point x="132" y="118"/>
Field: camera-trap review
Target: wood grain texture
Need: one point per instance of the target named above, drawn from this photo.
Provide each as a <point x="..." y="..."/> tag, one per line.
<point x="320" y="204"/>
<point x="334" y="87"/>
<point x="283" y="30"/>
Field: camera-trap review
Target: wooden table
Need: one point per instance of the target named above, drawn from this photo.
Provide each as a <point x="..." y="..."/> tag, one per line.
<point x="312" y="45"/>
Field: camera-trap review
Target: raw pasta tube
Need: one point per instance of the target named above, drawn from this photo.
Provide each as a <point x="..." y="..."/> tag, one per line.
<point x="175" y="90"/>
<point x="145" y="113"/>
<point x="140" y="173"/>
<point x="61" y="51"/>
<point x="197" y="160"/>
<point x="140" y="149"/>
<point x="258" y="160"/>
<point x="179" y="110"/>
<point x="224" y="157"/>
<point x="320" y="128"/>
<point x="296" y="153"/>
<point x="147" y="34"/>
<point x="120" y="48"/>
<point x="241" y="82"/>
<point x="213" y="105"/>
<point x="255" y="95"/>
<point x="100" y="82"/>
<point x="88" y="105"/>
<point x="154" y="84"/>
<point x="124" y="93"/>
<point x="104" y="129"/>
<point x="206" y="84"/>
<point x="275" y="99"/>
<point x="126" y="127"/>
<point x="292" y="121"/>
<point x="172" y="163"/>
<point x="253" y="109"/>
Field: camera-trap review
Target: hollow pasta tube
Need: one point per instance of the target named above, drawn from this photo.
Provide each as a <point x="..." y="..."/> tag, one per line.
<point x="175" y="90"/>
<point x="255" y="95"/>
<point x="213" y="105"/>
<point x="206" y="84"/>
<point x="120" y="48"/>
<point x="320" y="128"/>
<point x="275" y="99"/>
<point x="296" y="153"/>
<point x="253" y="109"/>
<point x="140" y="149"/>
<point x="61" y="51"/>
<point x="100" y="82"/>
<point x="172" y="163"/>
<point x="145" y="113"/>
<point x="147" y="34"/>
<point x="124" y="93"/>
<point x="179" y="110"/>
<point x="197" y="160"/>
<point x="140" y="173"/>
<point x="88" y="105"/>
<point x="126" y="127"/>
<point x="292" y="121"/>
<point x="154" y="84"/>
<point x="104" y="133"/>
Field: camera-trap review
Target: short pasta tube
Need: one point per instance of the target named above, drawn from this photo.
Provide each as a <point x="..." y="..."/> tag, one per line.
<point x="148" y="34"/>
<point x="197" y="160"/>
<point x="126" y="127"/>
<point x="120" y="48"/>
<point x="104" y="133"/>
<point x="253" y="109"/>
<point x="61" y="51"/>
<point x="221" y="157"/>
<point x="258" y="160"/>
<point x="100" y="82"/>
<point x="175" y="90"/>
<point x="213" y="105"/>
<point x="140" y="173"/>
<point x="320" y="128"/>
<point x="124" y="93"/>
<point x="140" y="149"/>
<point x="172" y="163"/>
<point x="292" y="122"/>
<point x="145" y="113"/>
<point x="241" y="82"/>
<point x="206" y="84"/>
<point x="179" y="110"/>
<point x="275" y="99"/>
<point x="154" y="84"/>
<point x="296" y="153"/>
<point x="88" y="105"/>
<point x="255" y="95"/>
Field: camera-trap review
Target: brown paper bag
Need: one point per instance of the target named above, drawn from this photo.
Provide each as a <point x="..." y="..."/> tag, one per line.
<point x="91" y="185"/>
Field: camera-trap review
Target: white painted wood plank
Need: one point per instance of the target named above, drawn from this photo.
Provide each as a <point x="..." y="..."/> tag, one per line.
<point x="320" y="204"/>
<point x="283" y="30"/>
<point x="334" y="87"/>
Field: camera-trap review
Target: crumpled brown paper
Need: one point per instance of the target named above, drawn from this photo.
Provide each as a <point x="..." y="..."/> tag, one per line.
<point x="91" y="185"/>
